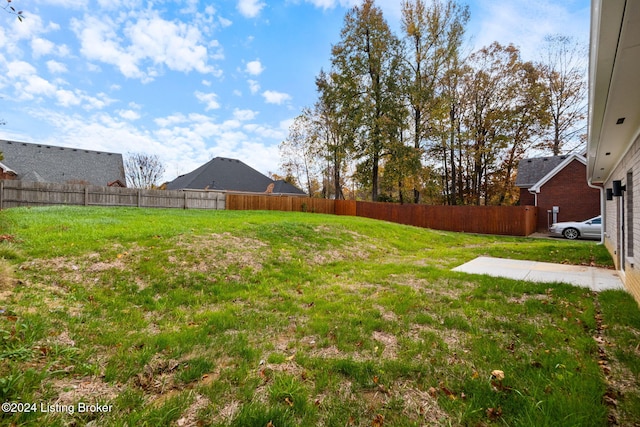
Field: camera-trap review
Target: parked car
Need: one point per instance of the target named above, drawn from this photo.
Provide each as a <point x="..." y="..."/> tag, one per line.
<point x="589" y="229"/>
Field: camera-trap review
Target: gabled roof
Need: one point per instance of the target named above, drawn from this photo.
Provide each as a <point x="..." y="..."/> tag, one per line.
<point x="553" y="172"/>
<point x="227" y="174"/>
<point x="532" y="170"/>
<point x="48" y="163"/>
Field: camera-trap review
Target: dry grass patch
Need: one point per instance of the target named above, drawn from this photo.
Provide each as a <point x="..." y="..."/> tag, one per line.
<point x="190" y="415"/>
<point x="7" y="279"/>
<point x="86" y="389"/>
<point x="389" y="342"/>
<point x="217" y="251"/>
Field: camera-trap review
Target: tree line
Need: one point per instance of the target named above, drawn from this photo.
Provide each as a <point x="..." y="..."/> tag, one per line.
<point x="416" y="119"/>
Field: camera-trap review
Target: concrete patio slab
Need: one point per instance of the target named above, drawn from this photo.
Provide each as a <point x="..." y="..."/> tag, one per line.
<point x="597" y="279"/>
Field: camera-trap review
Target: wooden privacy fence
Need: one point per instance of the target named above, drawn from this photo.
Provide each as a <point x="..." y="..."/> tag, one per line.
<point x="14" y="193"/>
<point x="503" y="220"/>
<point x="259" y="202"/>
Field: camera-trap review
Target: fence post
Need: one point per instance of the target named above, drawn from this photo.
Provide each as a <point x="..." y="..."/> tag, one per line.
<point x="138" y="201"/>
<point x="185" y="199"/>
<point x="1" y="193"/>
<point x="86" y="195"/>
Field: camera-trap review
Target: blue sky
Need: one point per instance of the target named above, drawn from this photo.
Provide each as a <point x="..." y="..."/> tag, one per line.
<point x="190" y="80"/>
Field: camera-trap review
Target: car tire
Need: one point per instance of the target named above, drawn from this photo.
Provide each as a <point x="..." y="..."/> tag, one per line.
<point x="571" y="233"/>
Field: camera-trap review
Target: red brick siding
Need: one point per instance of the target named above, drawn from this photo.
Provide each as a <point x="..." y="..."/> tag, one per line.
<point x="7" y="175"/>
<point x="569" y="191"/>
<point x="526" y="198"/>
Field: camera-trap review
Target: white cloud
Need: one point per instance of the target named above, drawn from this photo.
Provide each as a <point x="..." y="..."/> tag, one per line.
<point x="67" y="98"/>
<point x="56" y="67"/>
<point x="254" y="68"/>
<point x="211" y="99"/>
<point x="273" y="97"/>
<point x="67" y="4"/>
<point x="250" y="8"/>
<point x="129" y="115"/>
<point x="224" y="22"/>
<point x="149" y="42"/>
<point x="254" y="86"/>
<point x="177" y="45"/>
<point x="27" y="84"/>
<point x="244" y="115"/>
<point x="99" y="41"/>
<point x="41" y="47"/>
<point x="525" y="23"/>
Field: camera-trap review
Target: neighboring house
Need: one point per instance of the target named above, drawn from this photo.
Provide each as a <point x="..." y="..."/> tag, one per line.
<point x="613" y="152"/>
<point x="6" y="172"/>
<point x="231" y="175"/>
<point x="557" y="186"/>
<point x="48" y="163"/>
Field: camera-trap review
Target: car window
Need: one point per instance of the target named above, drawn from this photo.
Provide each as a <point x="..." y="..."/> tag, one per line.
<point x="596" y="221"/>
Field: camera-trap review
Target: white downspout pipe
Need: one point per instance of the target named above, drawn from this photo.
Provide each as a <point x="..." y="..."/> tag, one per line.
<point x="602" y="206"/>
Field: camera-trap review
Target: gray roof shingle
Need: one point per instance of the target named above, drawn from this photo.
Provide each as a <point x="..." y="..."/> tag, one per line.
<point x="534" y="169"/>
<point x="222" y="173"/>
<point x="62" y="164"/>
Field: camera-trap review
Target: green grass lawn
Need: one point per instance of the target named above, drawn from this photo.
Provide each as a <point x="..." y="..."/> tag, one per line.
<point x="227" y="318"/>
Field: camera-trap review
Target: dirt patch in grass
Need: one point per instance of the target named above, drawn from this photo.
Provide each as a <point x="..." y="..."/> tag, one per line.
<point x="390" y="343"/>
<point x="526" y="297"/>
<point x="7" y="279"/>
<point x="88" y="389"/>
<point x="228" y="412"/>
<point x="453" y="338"/>
<point x="387" y="315"/>
<point x="419" y="404"/>
<point x="212" y="252"/>
<point x="190" y="415"/>
<point x="62" y="339"/>
<point x="332" y="352"/>
<point x="158" y="376"/>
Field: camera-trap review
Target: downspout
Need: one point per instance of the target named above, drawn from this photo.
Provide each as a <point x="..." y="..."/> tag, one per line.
<point x="602" y="205"/>
<point x="535" y="201"/>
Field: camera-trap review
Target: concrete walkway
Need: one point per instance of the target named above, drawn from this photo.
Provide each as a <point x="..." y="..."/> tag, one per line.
<point x="597" y="279"/>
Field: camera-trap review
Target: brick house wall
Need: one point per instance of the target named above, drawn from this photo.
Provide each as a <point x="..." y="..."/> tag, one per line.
<point x="526" y="198"/>
<point x="7" y="175"/>
<point x="569" y="191"/>
<point x="627" y="258"/>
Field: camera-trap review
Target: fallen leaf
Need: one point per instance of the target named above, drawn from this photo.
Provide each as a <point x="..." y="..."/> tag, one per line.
<point x="497" y="374"/>
<point x="451" y="395"/>
<point x="288" y="401"/>
<point x="493" y="413"/>
<point x="378" y="421"/>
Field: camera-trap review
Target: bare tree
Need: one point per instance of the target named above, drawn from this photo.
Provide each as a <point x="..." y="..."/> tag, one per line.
<point x="143" y="170"/>
<point x="565" y="72"/>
